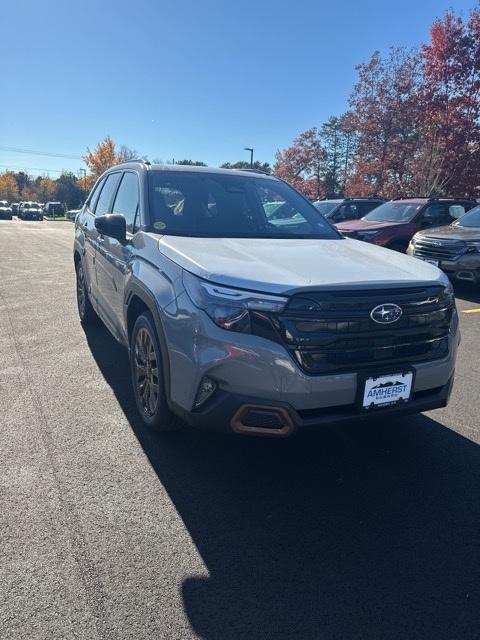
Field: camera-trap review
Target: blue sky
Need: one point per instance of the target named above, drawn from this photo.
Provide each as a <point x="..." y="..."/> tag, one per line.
<point x="200" y="79"/>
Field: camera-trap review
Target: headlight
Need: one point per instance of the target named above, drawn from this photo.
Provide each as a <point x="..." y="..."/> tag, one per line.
<point x="367" y="235"/>
<point x="449" y="292"/>
<point x="474" y="244"/>
<point x="230" y="309"/>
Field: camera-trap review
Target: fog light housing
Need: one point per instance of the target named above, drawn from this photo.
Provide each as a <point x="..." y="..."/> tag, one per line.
<point x="205" y="391"/>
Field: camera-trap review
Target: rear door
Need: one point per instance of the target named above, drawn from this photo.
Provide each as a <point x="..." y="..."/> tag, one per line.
<point x="114" y="257"/>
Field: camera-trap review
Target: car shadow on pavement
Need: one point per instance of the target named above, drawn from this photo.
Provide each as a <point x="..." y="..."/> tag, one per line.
<point x="360" y="532"/>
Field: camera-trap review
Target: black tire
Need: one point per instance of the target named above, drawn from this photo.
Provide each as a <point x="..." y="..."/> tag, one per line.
<point x="85" y="309"/>
<point x="148" y="380"/>
<point x="399" y="246"/>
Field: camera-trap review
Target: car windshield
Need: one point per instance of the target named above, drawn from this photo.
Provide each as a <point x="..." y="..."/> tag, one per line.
<point x="470" y="219"/>
<point x="202" y="204"/>
<point x="326" y="207"/>
<point x="393" y="212"/>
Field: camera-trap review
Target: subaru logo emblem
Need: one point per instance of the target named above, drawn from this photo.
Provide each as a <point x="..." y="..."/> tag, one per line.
<point x="386" y="313"/>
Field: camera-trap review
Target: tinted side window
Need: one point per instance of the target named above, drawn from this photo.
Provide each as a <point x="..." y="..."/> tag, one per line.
<point x="126" y="200"/>
<point x="366" y="207"/>
<point x="106" y="194"/>
<point x="94" y="197"/>
<point x="436" y="214"/>
<point x="346" y="212"/>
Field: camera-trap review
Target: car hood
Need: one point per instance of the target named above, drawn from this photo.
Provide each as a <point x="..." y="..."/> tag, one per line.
<point x="452" y="232"/>
<point x="286" y="266"/>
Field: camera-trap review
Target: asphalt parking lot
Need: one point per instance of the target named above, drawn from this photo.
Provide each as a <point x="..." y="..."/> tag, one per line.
<point x="109" y="531"/>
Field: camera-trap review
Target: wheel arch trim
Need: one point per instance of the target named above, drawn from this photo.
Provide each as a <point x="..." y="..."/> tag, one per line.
<point x="136" y="289"/>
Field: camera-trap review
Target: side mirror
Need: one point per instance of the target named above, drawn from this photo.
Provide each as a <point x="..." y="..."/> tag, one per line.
<point x="112" y="225"/>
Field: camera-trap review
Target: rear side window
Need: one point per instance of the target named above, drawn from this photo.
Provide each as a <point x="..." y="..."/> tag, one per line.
<point x="126" y="201"/>
<point x="346" y="212"/>
<point x="437" y="213"/>
<point x="456" y="210"/>
<point x="94" y="197"/>
<point x="106" y="194"/>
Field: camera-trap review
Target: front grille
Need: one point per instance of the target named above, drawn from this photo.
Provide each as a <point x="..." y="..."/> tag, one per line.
<point x="439" y="249"/>
<point x="332" y="331"/>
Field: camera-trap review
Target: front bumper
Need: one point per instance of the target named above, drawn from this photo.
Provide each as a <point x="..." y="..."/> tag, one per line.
<point x="251" y="370"/>
<point x="229" y="412"/>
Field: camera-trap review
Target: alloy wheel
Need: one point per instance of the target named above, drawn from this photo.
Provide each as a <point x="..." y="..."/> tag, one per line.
<point x="146" y="372"/>
<point x="81" y="292"/>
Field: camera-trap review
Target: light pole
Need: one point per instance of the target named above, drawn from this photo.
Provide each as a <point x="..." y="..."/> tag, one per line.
<point x="251" y="155"/>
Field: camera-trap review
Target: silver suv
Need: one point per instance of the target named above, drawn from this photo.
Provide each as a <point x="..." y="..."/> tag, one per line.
<point x="243" y="309"/>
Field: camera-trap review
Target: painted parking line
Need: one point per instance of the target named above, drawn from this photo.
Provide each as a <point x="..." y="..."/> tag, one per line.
<point x="471" y="310"/>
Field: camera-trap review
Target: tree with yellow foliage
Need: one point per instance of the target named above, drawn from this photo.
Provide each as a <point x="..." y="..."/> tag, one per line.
<point x="8" y="187"/>
<point x="101" y="158"/>
<point x="45" y="188"/>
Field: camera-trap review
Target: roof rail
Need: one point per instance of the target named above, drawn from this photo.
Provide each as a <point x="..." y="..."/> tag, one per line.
<point x="142" y="160"/>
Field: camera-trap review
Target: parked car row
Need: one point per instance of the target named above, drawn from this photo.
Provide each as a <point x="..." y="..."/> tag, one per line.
<point x="442" y="231"/>
<point x="30" y="210"/>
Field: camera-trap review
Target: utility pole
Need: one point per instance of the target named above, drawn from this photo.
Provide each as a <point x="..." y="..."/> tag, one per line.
<point x="251" y="155"/>
<point x="84" y="172"/>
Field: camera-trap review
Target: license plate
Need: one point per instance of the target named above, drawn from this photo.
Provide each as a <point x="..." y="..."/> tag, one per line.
<point x="430" y="261"/>
<point x="386" y="391"/>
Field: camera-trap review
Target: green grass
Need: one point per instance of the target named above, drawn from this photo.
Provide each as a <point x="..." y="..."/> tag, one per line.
<point x="56" y="219"/>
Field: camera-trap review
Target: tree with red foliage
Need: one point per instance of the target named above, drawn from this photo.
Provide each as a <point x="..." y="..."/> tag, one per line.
<point x="303" y="164"/>
<point x="384" y="115"/>
<point x="451" y="100"/>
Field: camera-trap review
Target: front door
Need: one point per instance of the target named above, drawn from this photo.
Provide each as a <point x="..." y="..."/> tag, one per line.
<point x="104" y="205"/>
<point x="114" y="257"/>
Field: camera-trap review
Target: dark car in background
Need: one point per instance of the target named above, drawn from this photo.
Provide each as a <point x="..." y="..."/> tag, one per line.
<point x="346" y="208"/>
<point x="30" y="211"/>
<point x="14" y="206"/>
<point x="393" y="224"/>
<point x="454" y="248"/>
<point x="54" y="209"/>
<point x="5" y="210"/>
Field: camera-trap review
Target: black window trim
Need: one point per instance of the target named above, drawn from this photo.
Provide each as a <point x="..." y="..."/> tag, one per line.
<point x="138" y="214"/>
<point x="104" y="179"/>
<point x="98" y="185"/>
